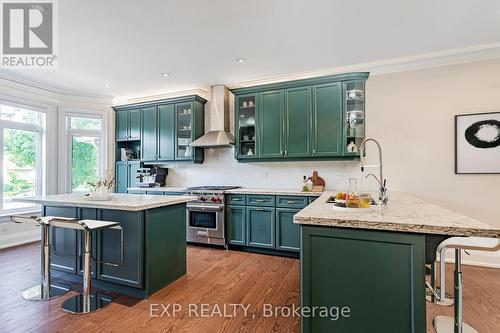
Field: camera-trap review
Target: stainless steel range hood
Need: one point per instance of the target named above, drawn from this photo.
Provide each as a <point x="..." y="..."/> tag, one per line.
<point x="219" y="135"/>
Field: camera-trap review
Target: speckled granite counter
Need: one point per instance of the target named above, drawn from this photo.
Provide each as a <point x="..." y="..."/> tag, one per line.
<point x="404" y="213"/>
<point x="157" y="189"/>
<point x="271" y="191"/>
<point x="129" y="202"/>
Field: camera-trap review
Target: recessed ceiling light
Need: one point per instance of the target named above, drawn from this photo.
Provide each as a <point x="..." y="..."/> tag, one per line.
<point x="107" y="85"/>
<point x="165" y="74"/>
<point x="240" y="60"/>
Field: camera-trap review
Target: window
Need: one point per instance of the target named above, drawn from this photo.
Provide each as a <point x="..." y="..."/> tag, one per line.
<point x="21" y="151"/>
<point x="85" y="150"/>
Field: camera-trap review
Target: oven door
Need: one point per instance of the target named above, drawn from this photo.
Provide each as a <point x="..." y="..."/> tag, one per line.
<point x="205" y="223"/>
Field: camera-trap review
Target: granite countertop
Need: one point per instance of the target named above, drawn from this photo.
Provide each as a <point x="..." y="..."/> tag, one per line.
<point x="158" y="189"/>
<point x="404" y="213"/>
<point x="130" y="202"/>
<point x="271" y="191"/>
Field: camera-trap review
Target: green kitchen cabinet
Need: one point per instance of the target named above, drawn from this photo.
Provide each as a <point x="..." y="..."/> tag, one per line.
<point x="287" y="232"/>
<point x="128" y="124"/>
<point x="313" y="119"/>
<point x="149" y="140"/>
<point x="134" y="118"/>
<point x="378" y="276"/>
<point x="236" y="224"/>
<point x="165" y="128"/>
<point x="121" y="171"/>
<point x="125" y="175"/>
<point x="271" y="115"/>
<point x="260" y="227"/>
<point x="166" y="132"/>
<point x="129" y="273"/>
<point x="121" y="122"/>
<point x="297" y="118"/>
<point x="246" y="132"/>
<point x="327" y="120"/>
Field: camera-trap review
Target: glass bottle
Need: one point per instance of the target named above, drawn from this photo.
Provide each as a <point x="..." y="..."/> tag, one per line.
<point x="305" y="188"/>
<point x="352" y="194"/>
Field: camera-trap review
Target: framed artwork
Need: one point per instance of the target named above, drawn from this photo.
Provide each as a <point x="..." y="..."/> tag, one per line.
<point x="477" y="143"/>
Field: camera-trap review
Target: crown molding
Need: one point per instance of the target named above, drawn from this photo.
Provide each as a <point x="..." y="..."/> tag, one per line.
<point x="52" y="92"/>
<point x="202" y="93"/>
<point x="422" y="61"/>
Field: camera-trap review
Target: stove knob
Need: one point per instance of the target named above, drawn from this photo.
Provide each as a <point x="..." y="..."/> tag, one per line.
<point x="213" y="199"/>
<point x="219" y="200"/>
<point x="202" y="198"/>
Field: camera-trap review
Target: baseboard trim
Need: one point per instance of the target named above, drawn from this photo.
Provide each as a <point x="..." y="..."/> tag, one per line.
<point x="19" y="238"/>
<point x="476" y="258"/>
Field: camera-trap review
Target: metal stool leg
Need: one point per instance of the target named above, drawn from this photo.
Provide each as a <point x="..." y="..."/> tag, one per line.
<point x="434" y="294"/>
<point x="445" y="324"/>
<point x="87" y="301"/>
<point x="46" y="290"/>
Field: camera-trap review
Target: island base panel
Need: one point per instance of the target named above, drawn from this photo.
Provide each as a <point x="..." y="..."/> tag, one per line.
<point x="378" y="275"/>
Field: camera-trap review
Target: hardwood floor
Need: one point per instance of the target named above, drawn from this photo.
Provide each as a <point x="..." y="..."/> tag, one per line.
<point x="215" y="277"/>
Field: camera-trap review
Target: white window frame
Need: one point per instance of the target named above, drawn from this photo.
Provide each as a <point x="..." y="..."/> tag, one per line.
<point x="66" y="144"/>
<point x="41" y="151"/>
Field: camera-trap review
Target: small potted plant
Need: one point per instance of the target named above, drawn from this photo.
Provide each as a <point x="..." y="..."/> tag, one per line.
<point x="100" y="190"/>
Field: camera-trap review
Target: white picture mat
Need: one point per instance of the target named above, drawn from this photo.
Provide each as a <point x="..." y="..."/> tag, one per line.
<point x="471" y="159"/>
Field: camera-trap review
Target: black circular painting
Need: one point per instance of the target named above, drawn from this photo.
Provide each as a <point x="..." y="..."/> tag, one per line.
<point x="484" y="134"/>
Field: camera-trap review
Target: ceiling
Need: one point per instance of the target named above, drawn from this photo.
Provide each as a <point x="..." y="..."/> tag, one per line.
<point x="128" y="44"/>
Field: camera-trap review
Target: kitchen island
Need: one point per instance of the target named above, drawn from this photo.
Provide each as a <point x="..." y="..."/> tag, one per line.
<point x="154" y="234"/>
<point x="373" y="263"/>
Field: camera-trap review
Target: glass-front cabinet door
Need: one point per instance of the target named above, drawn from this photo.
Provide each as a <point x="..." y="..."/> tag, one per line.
<point x="184" y="123"/>
<point x="354" y="116"/>
<point x="247" y="134"/>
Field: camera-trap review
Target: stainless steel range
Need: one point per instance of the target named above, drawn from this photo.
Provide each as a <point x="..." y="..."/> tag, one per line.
<point x="205" y="216"/>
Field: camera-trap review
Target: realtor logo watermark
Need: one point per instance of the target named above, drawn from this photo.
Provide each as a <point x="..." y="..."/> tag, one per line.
<point x="28" y="34"/>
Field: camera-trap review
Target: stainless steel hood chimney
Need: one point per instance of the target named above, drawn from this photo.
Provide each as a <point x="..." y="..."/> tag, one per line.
<point x="219" y="135"/>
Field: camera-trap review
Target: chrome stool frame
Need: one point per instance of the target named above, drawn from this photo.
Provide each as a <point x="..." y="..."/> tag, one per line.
<point x="88" y="301"/>
<point x="445" y="324"/>
<point x="46" y="290"/>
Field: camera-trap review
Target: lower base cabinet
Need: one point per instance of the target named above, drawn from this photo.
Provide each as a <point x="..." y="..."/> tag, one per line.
<point x="261" y="227"/>
<point x="236" y="223"/>
<point x="287" y="232"/>
<point x="264" y="221"/>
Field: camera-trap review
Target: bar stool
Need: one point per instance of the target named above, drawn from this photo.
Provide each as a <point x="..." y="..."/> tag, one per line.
<point x="88" y="301"/>
<point x="46" y="290"/>
<point x="445" y="324"/>
<point x="436" y="295"/>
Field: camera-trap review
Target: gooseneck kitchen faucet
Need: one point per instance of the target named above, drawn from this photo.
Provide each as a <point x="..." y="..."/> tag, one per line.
<point x="382" y="194"/>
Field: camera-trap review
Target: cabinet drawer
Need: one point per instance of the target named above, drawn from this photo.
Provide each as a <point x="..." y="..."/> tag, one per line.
<point x="235" y="199"/>
<point x="288" y="201"/>
<point x="260" y="200"/>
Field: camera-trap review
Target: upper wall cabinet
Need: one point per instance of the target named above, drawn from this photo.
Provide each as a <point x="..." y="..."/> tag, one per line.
<point x="321" y="118"/>
<point x="166" y="128"/>
<point x="128" y="125"/>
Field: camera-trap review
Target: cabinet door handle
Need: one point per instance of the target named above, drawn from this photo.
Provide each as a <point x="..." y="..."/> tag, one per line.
<point x="281" y="151"/>
<point x="290" y="202"/>
<point x="286" y="152"/>
<point x="235" y="199"/>
<point x="259" y="200"/>
<point x="314" y="151"/>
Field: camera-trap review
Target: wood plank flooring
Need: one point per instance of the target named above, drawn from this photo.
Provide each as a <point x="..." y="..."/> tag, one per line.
<point x="214" y="277"/>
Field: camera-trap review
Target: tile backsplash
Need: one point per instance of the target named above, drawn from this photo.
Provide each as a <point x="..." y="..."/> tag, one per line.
<point x="221" y="168"/>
